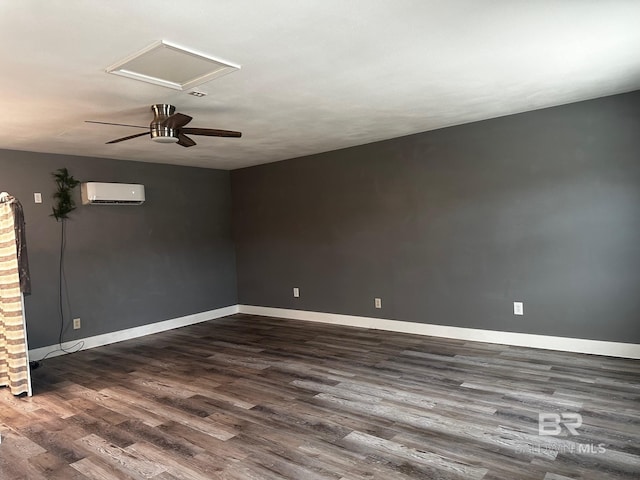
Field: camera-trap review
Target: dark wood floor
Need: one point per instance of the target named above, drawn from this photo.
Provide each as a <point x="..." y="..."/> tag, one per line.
<point x="255" y="398"/>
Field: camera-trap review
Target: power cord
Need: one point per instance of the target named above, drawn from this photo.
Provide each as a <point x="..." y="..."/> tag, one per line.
<point x="63" y="294"/>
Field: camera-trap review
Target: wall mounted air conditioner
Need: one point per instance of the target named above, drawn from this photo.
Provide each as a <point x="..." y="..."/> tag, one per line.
<point x="96" y="193"/>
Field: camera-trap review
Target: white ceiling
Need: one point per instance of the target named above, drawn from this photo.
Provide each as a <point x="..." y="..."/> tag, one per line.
<point x="317" y="75"/>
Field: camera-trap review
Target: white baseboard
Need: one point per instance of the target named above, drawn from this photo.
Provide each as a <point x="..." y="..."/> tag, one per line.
<point x="578" y="345"/>
<point x="129" y="333"/>
<point x="546" y="342"/>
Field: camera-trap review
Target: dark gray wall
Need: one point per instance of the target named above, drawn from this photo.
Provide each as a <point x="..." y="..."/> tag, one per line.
<point x="125" y="265"/>
<point x="451" y="226"/>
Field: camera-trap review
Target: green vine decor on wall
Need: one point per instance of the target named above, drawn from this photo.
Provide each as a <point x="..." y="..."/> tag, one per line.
<point x="64" y="196"/>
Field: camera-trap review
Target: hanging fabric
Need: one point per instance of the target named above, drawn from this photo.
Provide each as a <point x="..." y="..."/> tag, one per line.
<point x="21" y="246"/>
<point x="14" y="353"/>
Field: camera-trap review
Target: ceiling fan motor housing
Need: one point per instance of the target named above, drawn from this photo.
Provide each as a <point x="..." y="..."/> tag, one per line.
<point x="159" y="132"/>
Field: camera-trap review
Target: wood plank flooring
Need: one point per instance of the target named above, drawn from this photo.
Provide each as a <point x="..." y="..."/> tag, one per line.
<point x="247" y="397"/>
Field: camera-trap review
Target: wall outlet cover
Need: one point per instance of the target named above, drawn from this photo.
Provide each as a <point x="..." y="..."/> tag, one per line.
<point x="518" y="308"/>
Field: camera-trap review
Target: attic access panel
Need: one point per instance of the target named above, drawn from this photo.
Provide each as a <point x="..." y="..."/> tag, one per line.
<point x="169" y="65"/>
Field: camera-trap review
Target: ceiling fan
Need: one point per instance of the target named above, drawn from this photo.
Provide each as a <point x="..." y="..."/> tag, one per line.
<point x="169" y="127"/>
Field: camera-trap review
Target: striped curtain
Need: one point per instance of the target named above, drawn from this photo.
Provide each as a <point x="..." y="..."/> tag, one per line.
<point x="14" y="360"/>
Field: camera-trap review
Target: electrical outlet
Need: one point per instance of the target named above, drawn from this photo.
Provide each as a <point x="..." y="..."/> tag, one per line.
<point x="296" y="292"/>
<point x="76" y="323"/>
<point x="518" y="308"/>
<point x="377" y="302"/>
<point x="37" y="197"/>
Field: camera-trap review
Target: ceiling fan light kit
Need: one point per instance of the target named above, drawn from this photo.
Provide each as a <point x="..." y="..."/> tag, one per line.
<point x="163" y="135"/>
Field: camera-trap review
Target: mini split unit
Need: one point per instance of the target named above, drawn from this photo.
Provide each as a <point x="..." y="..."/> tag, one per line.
<point x="95" y="193"/>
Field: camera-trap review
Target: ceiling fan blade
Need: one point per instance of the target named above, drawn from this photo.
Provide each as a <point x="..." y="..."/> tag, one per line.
<point x="211" y="132"/>
<point x="128" y="138"/>
<point x="118" y="124"/>
<point x="176" y="120"/>
<point x="185" y="141"/>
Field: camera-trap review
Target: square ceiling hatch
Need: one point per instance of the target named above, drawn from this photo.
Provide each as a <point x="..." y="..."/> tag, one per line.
<point x="169" y="65"/>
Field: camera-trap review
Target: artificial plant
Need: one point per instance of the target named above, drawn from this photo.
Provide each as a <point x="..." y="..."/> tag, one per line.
<point x="64" y="195"/>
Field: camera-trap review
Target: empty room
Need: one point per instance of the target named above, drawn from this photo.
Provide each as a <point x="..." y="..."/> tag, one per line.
<point x="320" y="240"/>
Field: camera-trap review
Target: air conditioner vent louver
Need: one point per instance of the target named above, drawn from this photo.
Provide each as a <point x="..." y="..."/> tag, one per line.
<point x="115" y="202"/>
<point x="96" y="193"/>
